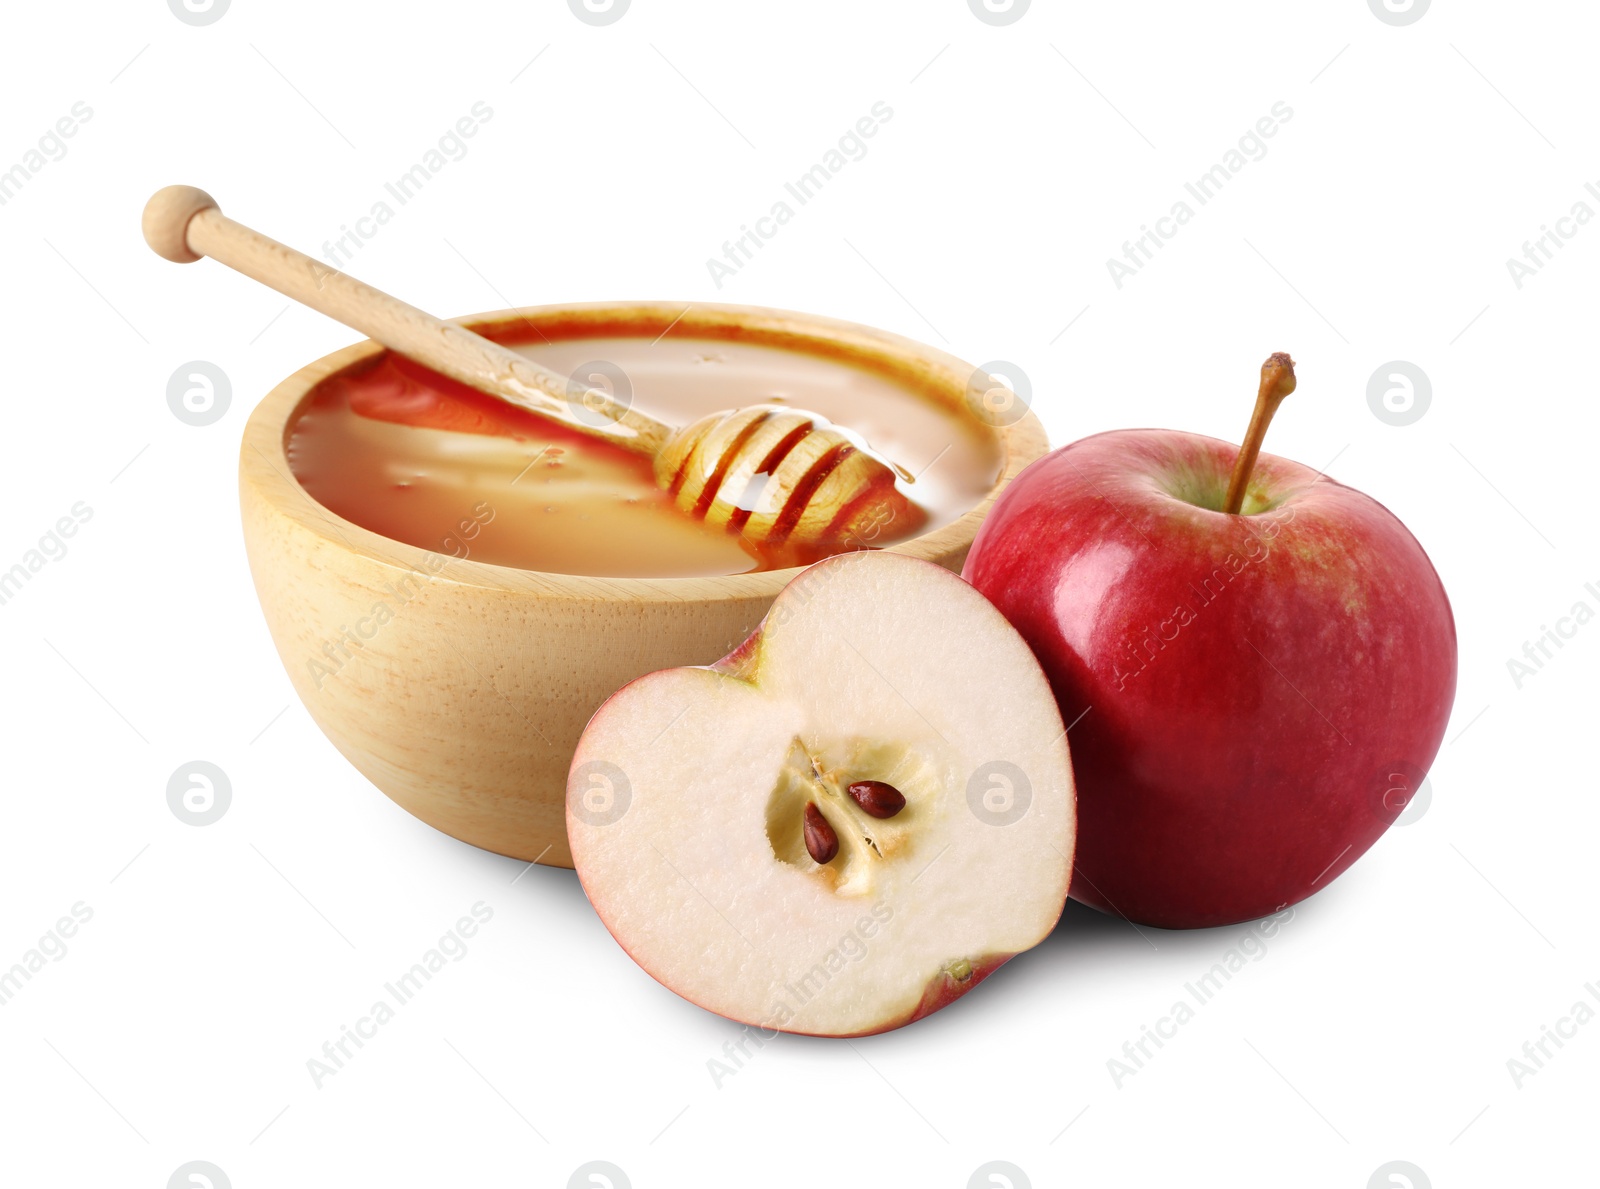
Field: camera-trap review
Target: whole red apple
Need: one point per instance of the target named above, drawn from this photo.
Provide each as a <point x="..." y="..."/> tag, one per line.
<point x="1252" y="694"/>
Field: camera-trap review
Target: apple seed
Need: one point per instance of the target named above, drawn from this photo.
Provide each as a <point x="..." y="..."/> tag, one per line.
<point x="878" y="798"/>
<point x="821" y="842"/>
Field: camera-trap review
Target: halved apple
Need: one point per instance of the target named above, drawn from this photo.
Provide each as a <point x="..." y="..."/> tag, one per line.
<point x="846" y="823"/>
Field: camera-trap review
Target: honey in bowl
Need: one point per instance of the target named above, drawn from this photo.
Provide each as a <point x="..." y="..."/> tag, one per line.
<point x="418" y="458"/>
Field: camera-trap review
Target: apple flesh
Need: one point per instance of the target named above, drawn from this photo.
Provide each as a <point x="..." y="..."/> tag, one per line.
<point x="1251" y="687"/>
<point x="885" y="698"/>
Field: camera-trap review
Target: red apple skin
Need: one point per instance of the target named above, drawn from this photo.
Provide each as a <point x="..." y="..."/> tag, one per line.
<point x="1247" y="684"/>
<point x="942" y="990"/>
<point x="945" y="989"/>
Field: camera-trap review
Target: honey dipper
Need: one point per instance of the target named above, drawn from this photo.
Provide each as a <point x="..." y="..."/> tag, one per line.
<point x="781" y="478"/>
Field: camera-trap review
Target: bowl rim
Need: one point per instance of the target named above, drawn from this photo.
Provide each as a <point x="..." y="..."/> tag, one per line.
<point x="264" y="462"/>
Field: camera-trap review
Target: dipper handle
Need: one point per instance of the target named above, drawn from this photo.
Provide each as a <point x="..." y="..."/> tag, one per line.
<point x="182" y="224"/>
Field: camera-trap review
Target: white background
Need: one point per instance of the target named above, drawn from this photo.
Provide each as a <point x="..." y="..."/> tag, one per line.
<point x="1377" y="227"/>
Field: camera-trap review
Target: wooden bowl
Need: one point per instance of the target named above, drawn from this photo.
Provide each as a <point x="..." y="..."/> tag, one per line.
<point x="461" y="690"/>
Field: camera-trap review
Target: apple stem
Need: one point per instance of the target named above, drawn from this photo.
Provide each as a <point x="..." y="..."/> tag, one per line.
<point x="1277" y="382"/>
